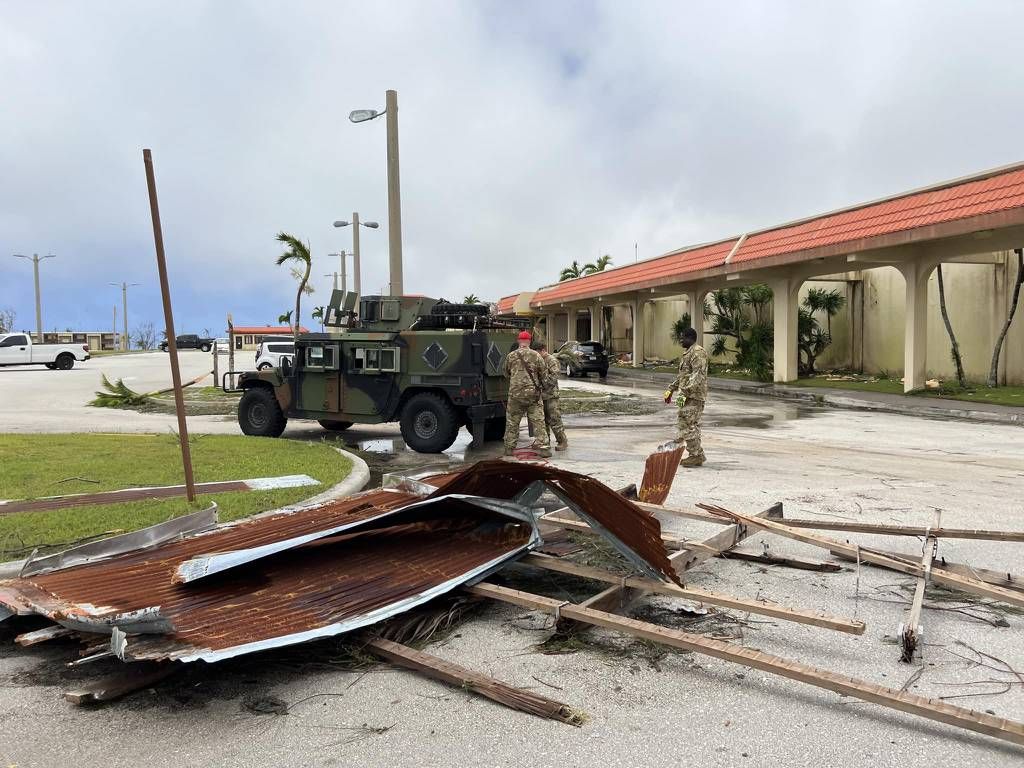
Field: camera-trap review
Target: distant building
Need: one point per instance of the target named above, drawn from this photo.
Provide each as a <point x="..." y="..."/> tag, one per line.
<point x="96" y="340"/>
<point x="250" y="336"/>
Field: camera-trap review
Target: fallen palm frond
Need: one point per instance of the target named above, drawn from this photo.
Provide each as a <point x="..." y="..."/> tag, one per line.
<point x="120" y="395"/>
<point x="117" y="395"/>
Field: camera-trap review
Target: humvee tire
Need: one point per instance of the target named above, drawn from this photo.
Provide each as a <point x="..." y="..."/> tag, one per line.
<point x="334" y="426"/>
<point x="259" y="413"/>
<point x="429" y="423"/>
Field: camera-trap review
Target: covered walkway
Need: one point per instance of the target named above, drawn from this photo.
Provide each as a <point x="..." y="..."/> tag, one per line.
<point x="965" y="221"/>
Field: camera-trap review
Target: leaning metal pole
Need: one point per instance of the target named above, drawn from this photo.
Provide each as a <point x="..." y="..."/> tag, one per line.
<point x="172" y="346"/>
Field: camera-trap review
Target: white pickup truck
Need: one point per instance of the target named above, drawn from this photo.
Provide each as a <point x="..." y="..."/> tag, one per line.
<point x="18" y="349"/>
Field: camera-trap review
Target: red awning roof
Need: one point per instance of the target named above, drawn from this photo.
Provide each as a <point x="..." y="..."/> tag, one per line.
<point x="991" y="192"/>
<point x="267" y="330"/>
<point x="506" y="304"/>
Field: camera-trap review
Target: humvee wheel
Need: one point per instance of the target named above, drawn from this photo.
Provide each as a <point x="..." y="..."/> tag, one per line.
<point x="429" y="423"/>
<point x="334" y="426"/>
<point x="259" y="414"/>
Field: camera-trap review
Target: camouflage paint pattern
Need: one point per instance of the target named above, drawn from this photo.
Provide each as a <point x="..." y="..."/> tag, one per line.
<point x="331" y="380"/>
<point x="692" y="381"/>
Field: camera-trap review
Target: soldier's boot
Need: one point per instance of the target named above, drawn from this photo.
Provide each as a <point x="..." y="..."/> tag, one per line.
<point x="695" y="460"/>
<point x="509" y="451"/>
<point x="544" y="452"/>
<point x="563" y="442"/>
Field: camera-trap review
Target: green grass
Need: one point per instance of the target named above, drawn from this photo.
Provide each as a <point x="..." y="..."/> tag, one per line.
<point x="1009" y="396"/>
<point x="111" y="352"/>
<point x="889" y="386"/>
<point x="34" y="466"/>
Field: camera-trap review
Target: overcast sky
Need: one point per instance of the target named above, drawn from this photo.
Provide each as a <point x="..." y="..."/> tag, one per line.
<point x="532" y="134"/>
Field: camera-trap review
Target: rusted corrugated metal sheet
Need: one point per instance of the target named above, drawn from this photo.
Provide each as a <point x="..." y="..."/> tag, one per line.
<point x="322" y="588"/>
<point x="634" y="532"/>
<point x="659" y="472"/>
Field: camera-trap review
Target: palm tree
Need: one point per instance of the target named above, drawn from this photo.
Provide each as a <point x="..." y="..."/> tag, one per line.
<point x="298" y="252"/>
<point x="318" y="315"/>
<point x="571" y="272"/>
<point x="829" y="302"/>
<point x="471" y="299"/>
<point x="286" y="318"/>
<point x="597" y="266"/>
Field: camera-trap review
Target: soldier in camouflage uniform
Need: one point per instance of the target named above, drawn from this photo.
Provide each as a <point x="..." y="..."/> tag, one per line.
<point x="549" y="393"/>
<point x="692" y="385"/>
<point x="526" y="372"/>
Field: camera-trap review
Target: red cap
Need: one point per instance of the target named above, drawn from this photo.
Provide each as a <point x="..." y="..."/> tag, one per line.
<point x="525" y="336"/>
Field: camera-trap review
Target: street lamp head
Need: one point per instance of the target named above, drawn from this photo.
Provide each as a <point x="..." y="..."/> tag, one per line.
<point x="341" y="223"/>
<point x="362" y="115"/>
<point x="370" y="224"/>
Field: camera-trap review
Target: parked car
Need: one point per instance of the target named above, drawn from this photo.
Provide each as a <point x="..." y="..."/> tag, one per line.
<point x="271" y="353"/>
<point x="190" y="341"/>
<point x="222" y="345"/>
<point x="18" y="349"/>
<point x="587" y="357"/>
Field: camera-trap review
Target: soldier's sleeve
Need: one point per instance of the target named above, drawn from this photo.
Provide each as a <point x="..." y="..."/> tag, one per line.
<point x="505" y="369"/>
<point x="679" y="378"/>
<point x="697" y="381"/>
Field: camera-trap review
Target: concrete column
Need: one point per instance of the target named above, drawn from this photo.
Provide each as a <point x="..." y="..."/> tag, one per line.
<point x="597" y="322"/>
<point x="785" y="303"/>
<point x="570" y="325"/>
<point x="915" y="327"/>
<point x="856" y="308"/>
<point x="549" y="330"/>
<point x="639" y="317"/>
<point x="696" y="309"/>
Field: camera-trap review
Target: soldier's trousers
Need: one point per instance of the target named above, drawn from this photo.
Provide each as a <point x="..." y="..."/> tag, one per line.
<point x="688" y="426"/>
<point x="515" y="409"/>
<point x="553" y="418"/>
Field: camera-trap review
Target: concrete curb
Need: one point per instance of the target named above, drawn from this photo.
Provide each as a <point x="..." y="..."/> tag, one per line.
<point x="355" y="482"/>
<point x="838" y="399"/>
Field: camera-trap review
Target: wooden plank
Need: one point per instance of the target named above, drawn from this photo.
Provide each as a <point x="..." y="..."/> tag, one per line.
<point x="689" y="556"/>
<point x="615" y="599"/>
<point x="910" y="631"/>
<point x="774" y="610"/>
<point x="907" y="530"/>
<point x="1000" y="579"/>
<point x="789" y="561"/>
<point x="484" y="685"/>
<point x="932" y="709"/>
<point x="972" y="586"/>
<point x="42" y="635"/>
<point x="132" y="678"/>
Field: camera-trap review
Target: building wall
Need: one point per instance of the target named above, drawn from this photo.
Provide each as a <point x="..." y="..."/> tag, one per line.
<point x="977" y="297"/>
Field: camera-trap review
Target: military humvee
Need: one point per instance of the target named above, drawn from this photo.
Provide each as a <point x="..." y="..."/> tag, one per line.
<point x="431" y="365"/>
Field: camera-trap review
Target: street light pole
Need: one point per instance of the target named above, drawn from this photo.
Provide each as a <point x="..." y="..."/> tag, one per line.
<point x="126" y="341"/>
<point x="344" y="273"/>
<point x="356" y="271"/>
<point x="35" y="259"/>
<point x="394" y="196"/>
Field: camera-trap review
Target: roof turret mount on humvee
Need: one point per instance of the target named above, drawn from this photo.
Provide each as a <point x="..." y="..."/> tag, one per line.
<point x="430" y="365"/>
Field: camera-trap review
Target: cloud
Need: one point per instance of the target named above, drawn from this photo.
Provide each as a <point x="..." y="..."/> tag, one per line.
<point x="532" y="134"/>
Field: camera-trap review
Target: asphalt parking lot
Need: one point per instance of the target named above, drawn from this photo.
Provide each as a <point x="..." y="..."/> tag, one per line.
<point x="676" y="709"/>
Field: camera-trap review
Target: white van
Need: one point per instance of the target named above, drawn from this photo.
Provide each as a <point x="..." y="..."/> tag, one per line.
<point x="270" y="353"/>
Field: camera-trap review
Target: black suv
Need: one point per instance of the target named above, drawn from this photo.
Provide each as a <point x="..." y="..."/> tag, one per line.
<point x="590" y="357"/>
<point x="190" y="341"/>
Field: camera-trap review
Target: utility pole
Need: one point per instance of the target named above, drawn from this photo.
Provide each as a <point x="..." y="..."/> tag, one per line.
<point x="114" y="341"/>
<point x="394" y="196"/>
<point x="35" y="259"/>
<point x="126" y="341"/>
<point x="355" y="251"/>
<point x="335" y="278"/>
<point x="344" y="274"/>
<point x="172" y="346"/>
